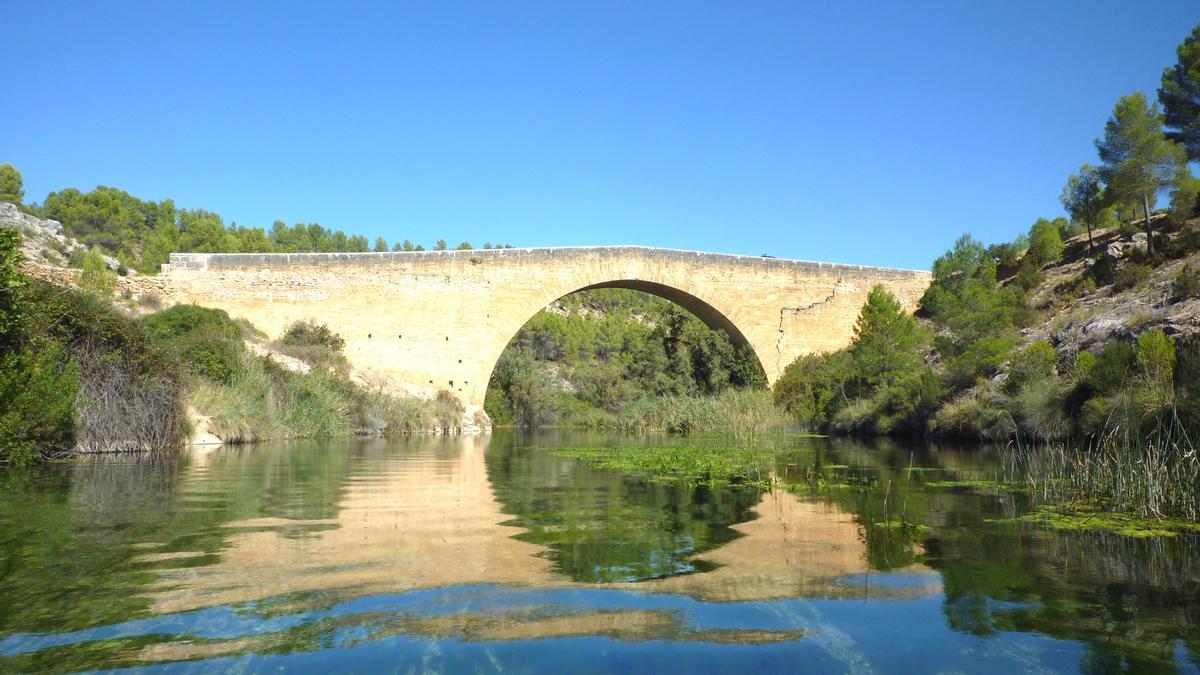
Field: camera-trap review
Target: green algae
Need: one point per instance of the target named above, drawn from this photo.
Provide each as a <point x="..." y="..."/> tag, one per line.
<point x="980" y="484"/>
<point x="905" y="526"/>
<point x="1091" y="518"/>
<point x="710" y="465"/>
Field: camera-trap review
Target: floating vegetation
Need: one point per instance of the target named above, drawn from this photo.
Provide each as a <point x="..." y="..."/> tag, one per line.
<point x="710" y="465"/>
<point x="904" y="526"/>
<point x="978" y="484"/>
<point x="1091" y="518"/>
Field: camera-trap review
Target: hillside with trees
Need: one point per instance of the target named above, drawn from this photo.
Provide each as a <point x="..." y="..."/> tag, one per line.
<point x="1079" y="328"/>
<point x="142" y="234"/>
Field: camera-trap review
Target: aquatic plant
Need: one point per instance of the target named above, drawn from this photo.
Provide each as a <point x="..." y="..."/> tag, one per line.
<point x="1151" y="474"/>
<point x="741" y="412"/>
<point x="712" y="465"/>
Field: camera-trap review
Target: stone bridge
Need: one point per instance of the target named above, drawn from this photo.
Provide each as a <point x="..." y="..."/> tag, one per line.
<point x="438" y="320"/>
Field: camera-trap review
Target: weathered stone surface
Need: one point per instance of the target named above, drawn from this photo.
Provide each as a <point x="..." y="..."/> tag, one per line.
<point x="133" y="285"/>
<point x="438" y="320"/>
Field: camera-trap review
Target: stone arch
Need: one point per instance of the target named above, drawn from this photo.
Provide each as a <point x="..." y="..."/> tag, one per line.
<point x="432" y="321"/>
<point x="698" y="307"/>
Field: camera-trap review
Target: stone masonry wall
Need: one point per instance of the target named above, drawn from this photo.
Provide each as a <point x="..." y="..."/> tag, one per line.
<point x="438" y="320"/>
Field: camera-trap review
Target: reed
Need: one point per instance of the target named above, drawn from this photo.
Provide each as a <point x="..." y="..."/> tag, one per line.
<point x="265" y="402"/>
<point x="741" y="412"/>
<point x="1153" y="475"/>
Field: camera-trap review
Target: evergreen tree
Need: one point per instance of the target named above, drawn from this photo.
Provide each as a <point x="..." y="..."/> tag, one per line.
<point x="1180" y="96"/>
<point x="1139" y="161"/>
<point x="886" y="340"/>
<point x="12" y="187"/>
<point x="1082" y="197"/>
<point x="1045" y="243"/>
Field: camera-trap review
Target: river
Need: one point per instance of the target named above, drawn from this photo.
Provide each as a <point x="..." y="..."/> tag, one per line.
<point x="490" y="553"/>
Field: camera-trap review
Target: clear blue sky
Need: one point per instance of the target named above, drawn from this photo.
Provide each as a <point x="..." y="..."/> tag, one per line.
<point x="865" y="132"/>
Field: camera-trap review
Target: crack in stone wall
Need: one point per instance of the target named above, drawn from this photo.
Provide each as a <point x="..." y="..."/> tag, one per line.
<point x="785" y="311"/>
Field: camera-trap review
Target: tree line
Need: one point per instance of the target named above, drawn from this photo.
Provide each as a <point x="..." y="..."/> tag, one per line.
<point x="142" y="234"/>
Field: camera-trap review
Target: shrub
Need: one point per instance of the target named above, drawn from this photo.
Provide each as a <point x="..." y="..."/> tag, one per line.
<point x="1187" y="382"/>
<point x="447" y="411"/>
<point x="1029" y="276"/>
<point x="314" y="344"/>
<point x="1112" y="368"/>
<point x="1186" y="284"/>
<point x="1042" y="410"/>
<point x="312" y="334"/>
<point x="522" y="392"/>
<point x="812" y="387"/>
<point x="96" y="277"/>
<point x="207" y="341"/>
<point x="1103" y="270"/>
<point x="1185" y="243"/>
<point x="37" y="403"/>
<point x="1045" y="243"/>
<point x="981" y="359"/>
<point x="186" y="320"/>
<point x="1155" y="355"/>
<point x="981" y="412"/>
<point x="129" y="389"/>
<point x="1131" y="275"/>
<point x="1082" y="366"/>
<point x="122" y="409"/>
<point x="1093" y="415"/>
<point x="1035" y="362"/>
<point x="150" y="301"/>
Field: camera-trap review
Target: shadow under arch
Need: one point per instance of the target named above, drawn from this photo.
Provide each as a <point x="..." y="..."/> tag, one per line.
<point x="710" y="316"/>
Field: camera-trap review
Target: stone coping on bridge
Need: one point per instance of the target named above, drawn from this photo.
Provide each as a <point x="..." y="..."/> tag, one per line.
<point x="241" y="261"/>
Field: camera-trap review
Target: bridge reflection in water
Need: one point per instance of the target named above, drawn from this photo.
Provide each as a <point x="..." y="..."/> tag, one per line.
<point x="429" y="517"/>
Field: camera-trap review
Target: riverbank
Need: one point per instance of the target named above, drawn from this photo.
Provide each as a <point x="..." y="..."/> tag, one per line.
<point x="84" y="371"/>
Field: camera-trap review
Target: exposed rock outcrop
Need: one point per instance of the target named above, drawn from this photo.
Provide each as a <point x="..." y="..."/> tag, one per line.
<point x="43" y="240"/>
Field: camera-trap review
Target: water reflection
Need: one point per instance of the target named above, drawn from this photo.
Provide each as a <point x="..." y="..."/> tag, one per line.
<point x="421" y="518"/>
<point x="458" y="511"/>
<point x="425" y="544"/>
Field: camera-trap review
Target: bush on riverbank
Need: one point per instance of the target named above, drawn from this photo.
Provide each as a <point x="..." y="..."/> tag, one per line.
<point x="75" y="372"/>
<point x="248" y="397"/>
<point x="264" y="401"/>
<point x="38" y="382"/>
<point x="131" y="388"/>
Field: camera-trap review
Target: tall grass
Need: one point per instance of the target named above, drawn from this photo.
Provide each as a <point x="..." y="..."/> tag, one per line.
<point x="742" y="412"/>
<point x="1153" y="475"/>
<point x="263" y="401"/>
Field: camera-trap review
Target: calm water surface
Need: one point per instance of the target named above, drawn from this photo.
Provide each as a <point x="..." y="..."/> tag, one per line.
<point x="491" y="554"/>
